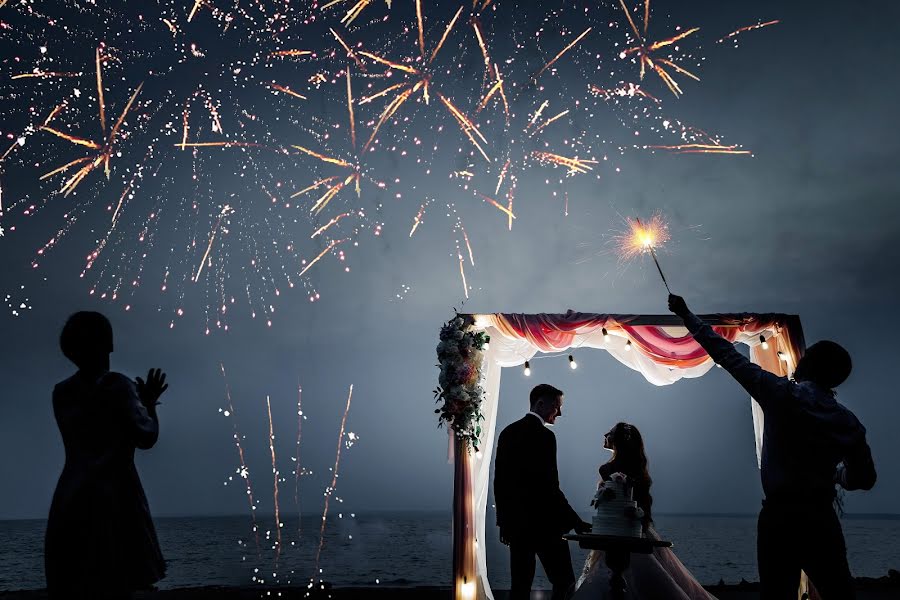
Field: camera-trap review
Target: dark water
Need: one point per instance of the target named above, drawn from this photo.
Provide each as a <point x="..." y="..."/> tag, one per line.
<point x="399" y="549"/>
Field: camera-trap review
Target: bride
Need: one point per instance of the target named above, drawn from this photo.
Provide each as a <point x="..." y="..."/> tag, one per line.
<point x="650" y="576"/>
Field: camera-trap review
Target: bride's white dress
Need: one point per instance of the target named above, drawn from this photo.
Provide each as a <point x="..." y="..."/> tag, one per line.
<point x="656" y="576"/>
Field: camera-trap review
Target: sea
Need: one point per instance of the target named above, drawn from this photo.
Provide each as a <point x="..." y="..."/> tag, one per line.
<point x="412" y="549"/>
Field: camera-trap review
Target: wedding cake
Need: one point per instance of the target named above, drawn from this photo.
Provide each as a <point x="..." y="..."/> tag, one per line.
<point x="617" y="513"/>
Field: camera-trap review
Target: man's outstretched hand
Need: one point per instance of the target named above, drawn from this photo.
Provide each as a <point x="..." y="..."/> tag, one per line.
<point x="678" y="306"/>
<point x="149" y="391"/>
<point x="583" y="527"/>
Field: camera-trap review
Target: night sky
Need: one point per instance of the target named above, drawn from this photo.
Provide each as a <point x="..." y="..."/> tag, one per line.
<point x="807" y="225"/>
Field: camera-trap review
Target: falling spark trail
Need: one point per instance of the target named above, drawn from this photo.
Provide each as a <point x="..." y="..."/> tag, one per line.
<point x="329" y="224"/>
<point x="275" y="488"/>
<point x="226" y="210"/>
<point x="244" y="472"/>
<point x="498" y="206"/>
<point x="418" y="219"/>
<point x="563" y="51"/>
<point x="747" y="28"/>
<point x="287" y="90"/>
<point x="100" y="100"/>
<point x="334" y="476"/>
<point x="462" y="274"/>
<point x="702" y="149"/>
<point x="297" y="467"/>
<point x="321" y="254"/>
<point x="350" y="110"/>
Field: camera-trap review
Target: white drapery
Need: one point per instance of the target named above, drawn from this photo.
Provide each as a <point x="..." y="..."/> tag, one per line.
<point x="508" y="350"/>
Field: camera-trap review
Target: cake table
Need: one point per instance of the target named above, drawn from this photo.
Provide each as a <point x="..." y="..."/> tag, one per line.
<point x="617" y="550"/>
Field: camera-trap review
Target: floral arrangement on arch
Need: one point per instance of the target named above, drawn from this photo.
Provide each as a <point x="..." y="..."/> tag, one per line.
<point x="460" y="353"/>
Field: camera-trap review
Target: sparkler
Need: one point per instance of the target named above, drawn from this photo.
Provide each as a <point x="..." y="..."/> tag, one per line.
<point x="643" y="239"/>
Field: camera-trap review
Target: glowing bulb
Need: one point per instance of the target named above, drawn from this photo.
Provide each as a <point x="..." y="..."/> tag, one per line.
<point x="527" y="369"/>
<point x="782" y="356"/>
<point x="468" y="589"/>
<point x="628" y="346"/>
<point x="572" y="364"/>
<point x="605" y="334"/>
<point x="763" y="343"/>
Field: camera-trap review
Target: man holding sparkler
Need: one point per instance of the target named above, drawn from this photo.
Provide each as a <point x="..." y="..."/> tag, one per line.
<point x="810" y="444"/>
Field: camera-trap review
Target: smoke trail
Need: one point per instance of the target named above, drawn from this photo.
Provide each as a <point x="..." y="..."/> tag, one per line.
<point x="275" y="484"/>
<point x="297" y="467"/>
<point x="334" y="475"/>
<point x="244" y="472"/>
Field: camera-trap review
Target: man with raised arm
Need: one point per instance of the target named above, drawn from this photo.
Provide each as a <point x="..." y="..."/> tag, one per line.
<point x="810" y="444"/>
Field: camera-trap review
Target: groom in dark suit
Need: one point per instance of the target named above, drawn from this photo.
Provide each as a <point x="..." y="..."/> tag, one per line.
<point x="532" y="512"/>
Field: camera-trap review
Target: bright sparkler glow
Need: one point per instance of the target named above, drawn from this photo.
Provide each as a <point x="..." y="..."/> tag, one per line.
<point x="642" y="237"/>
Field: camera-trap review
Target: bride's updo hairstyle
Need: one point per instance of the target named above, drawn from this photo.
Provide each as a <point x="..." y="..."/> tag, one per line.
<point x="629" y="458"/>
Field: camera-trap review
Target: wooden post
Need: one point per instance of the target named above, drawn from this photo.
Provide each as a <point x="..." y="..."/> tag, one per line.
<point x="465" y="584"/>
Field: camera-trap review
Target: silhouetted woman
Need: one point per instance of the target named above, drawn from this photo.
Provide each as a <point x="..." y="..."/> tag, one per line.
<point x="100" y="538"/>
<point x="651" y="576"/>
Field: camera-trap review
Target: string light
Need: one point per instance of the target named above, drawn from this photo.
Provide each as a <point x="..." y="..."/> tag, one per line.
<point x="628" y="346"/>
<point x="572" y="364"/>
<point x="782" y="356"/>
<point x="605" y="335"/>
<point x="527" y="369"/>
<point x="763" y="342"/>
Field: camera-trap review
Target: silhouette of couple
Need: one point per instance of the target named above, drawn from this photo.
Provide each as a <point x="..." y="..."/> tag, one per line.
<point x="811" y="444"/>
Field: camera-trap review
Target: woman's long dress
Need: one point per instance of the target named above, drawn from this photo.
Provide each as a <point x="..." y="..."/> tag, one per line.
<point x="100" y="538"/>
<point x="655" y="576"/>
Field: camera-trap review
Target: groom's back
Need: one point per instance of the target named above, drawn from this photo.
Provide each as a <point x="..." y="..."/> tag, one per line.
<point x="524" y="468"/>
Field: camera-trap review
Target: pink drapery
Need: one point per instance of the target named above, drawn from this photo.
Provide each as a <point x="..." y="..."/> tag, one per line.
<point x="665" y="345"/>
<point x="551" y="333"/>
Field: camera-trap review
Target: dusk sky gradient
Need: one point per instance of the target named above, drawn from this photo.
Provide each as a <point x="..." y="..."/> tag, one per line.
<point x="808" y="225"/>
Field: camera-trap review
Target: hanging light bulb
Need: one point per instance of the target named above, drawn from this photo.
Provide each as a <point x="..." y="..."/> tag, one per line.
<point x="527" y="369"/>
<point x="605" y="334"/>
<point x="782" y="356"/>
<point x="572" y="364"/>
<point x="763" y="343"/>
<point x="628" y="346"/>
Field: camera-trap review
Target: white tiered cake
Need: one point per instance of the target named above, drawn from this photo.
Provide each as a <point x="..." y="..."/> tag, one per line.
<point x="617" y="513"/>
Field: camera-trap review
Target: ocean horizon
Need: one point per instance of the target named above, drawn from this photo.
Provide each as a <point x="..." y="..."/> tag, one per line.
<point x="413" y="548"/>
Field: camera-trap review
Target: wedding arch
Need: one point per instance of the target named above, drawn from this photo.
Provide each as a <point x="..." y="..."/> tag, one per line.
<point x="474" y="348"/>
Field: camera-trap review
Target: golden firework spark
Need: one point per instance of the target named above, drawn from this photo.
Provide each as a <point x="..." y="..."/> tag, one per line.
<point x="419" y="80"/>
<point x="46" y="74"/>
<point x="644" y="51"/>
<point x="574" y="164"/>
<point x="741" y="30"/>
<point x="568" y="47"/>
<point x="629" y="90"/>
<point x="702" y="149"/>
<point x="226" y="210"/>
<point x="328" y="249"/>
<point x="105" y="149"/>
<point x="286" y="90"/>
<point x="354" y="11"/>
